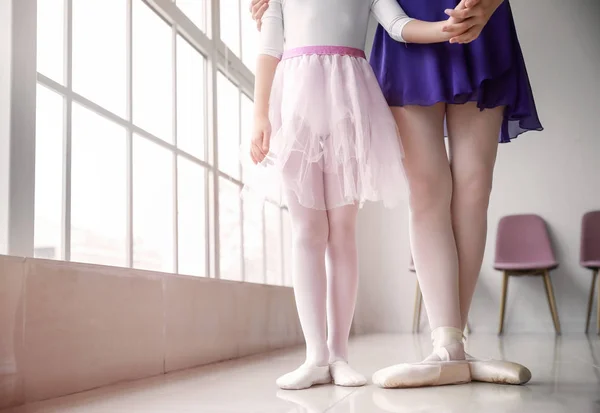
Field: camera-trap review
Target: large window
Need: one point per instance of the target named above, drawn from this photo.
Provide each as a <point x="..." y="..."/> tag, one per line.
<point x="141" y="110"/>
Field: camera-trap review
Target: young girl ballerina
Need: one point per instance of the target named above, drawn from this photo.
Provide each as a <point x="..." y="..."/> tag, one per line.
<point x="324" y="133"/>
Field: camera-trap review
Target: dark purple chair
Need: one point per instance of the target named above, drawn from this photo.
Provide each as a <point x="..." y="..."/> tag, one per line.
<point x="523" y="248"/>
<point x="590" y="257"/>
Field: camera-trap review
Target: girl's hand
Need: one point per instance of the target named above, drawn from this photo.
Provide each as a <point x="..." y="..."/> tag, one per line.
<point x="261" y="139"/>
<point x="258" y="8"/>
<point x="471" y="17"/>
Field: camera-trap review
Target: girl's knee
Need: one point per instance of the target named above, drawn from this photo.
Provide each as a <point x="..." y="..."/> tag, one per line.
<point x="311" y="232"/>
<point x="342" y="233"/>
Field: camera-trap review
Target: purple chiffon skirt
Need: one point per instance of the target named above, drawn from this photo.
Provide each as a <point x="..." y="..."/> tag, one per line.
<point x="490" y="71"/>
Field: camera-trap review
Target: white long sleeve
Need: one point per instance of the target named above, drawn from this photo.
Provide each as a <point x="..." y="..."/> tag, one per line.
<point x="391" y="17"/>
<point x="272" y="35"/>
<point x="288" y="24"/>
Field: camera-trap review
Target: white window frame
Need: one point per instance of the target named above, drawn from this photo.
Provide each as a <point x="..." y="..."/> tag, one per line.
<point x="23" y="84"/>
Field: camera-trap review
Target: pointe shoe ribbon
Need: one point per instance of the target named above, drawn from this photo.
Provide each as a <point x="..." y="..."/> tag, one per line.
<point x="446" y="365"/>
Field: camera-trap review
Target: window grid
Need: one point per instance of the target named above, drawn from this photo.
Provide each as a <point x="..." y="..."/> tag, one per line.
<point x="129" y="106"/>
<point x="218" y="58"/>
<point x="68" y="145"/>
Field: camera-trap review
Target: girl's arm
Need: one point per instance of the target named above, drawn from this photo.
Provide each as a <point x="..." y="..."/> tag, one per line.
<point x="271" y="49"/>
<point x="405" y="29"/>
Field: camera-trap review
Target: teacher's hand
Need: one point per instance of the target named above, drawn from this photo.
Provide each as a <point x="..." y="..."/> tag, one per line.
<point x="258" y="8"/>
<point x="469" y="18"/>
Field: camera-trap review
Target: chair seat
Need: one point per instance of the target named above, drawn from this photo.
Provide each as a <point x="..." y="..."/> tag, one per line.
<point x="525" y="266"/>
<point x="592" y="265"/>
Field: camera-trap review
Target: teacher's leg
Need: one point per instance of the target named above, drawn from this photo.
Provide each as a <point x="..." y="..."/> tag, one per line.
<point x="432" y="239"/>
<point x="473" y="136"/>
<point x="434" y="250"/>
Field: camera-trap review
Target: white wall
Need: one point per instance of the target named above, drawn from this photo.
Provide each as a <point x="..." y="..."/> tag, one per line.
<point x="555" y="173"/>
<point x="5" y="52"/>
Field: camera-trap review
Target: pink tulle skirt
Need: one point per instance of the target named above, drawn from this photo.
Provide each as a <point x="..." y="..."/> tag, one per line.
<point x="334" y="140"/>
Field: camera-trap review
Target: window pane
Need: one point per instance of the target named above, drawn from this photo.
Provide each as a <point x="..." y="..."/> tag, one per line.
<point x="250" y="37"/>
<point x="99" y="55"/>
<point x="287" y="248"/>
<point x="229" y="126"/>
<point x="191" y="112"/>
<point x="195" y="10"/>
<point x="247" y="121"/>
<point x="152" y="72"/>
<point x="191" y="217"/>
<point x="230" y="231"/>
<point x="230" y="24"/>
<point x="253" y="242"/>
<point x="51" y="38"/>
<point x="153" y="219"/>
<point x="98" y="190"/>
<point x="48" y="174"/>
<point x="273" y="250"/>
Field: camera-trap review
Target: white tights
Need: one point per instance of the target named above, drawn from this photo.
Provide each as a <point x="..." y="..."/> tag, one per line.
<point x="325" y="289"/>
<point x="325" y="299"/>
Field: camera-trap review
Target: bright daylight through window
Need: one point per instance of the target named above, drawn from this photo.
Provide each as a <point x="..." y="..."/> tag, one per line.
<point x="138" y="131"/>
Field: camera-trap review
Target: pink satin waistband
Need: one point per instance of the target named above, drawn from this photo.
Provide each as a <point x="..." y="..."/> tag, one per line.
<point x="324" y="50"/>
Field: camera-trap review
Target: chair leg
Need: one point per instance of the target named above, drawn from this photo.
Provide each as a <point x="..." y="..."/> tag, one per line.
<point x="591" y="301"/>
<point x="417" y="311"/>
<point x="503" y="302"/>
<point x="551" y="301"/>
<point x="598" y="314"/>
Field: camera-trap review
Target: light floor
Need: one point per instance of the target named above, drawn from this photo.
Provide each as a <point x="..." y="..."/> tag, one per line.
<point x="566" y="378"/>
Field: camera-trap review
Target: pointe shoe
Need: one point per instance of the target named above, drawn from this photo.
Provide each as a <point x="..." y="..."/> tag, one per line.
<point x="446" y="365"/>
<point x="498" y="371"/>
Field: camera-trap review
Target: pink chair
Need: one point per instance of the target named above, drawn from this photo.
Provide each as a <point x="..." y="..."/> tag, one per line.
<point x="523" y="248"/>
<point x="419" y="304"/>
<point x="590" y="257"/>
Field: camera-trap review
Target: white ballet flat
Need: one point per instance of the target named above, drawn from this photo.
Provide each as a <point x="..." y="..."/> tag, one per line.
<point x="437" y="370"/>
<point x="304" y="377"/>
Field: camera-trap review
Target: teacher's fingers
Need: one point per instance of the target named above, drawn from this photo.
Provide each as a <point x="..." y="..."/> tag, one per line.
<point x="471" y="3"/>
<point x="462" y="5"/>
<point x="460" y="27"/>
<point x="461" y="14"/>
<point x="468" y="36"/>
<point x="259" y="8"/>
<point x="255" y="4"/>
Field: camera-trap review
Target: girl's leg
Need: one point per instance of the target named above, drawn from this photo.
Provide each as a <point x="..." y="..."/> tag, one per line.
<point x="342" y="287"/>
<point x="309" y="242"/>
<point x="432" y="239"/>
<point x="473" y="136"/>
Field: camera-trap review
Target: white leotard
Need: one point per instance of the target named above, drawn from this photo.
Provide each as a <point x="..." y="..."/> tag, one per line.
<point x="289" y="24"/>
